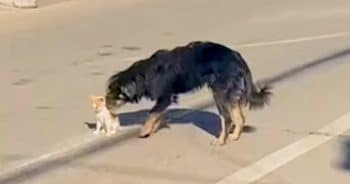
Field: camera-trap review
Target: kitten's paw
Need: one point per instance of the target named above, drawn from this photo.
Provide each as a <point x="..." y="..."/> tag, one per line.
<point x="113" y="132"/>
<point x="108" y="134"/>
<point x="117" y="128"/>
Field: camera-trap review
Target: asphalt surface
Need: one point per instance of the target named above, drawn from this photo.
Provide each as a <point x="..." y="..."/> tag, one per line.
<point x="54" y="57"/>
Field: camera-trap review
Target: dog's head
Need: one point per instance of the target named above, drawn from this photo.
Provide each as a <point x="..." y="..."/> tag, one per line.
<point x="115" y="100"/>
<point x="121" y="88"/>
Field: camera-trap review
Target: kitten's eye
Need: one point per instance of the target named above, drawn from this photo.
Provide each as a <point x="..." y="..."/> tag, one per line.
<point x="101" y="99"/>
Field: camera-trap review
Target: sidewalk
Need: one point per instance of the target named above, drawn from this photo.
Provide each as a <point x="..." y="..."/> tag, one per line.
<point x="20" y="3"/>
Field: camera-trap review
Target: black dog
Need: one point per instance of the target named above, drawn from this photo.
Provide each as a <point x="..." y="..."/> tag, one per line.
<point x="168" y="73"/>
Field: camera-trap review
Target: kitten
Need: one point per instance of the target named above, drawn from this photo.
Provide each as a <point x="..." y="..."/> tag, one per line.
<point x="105" y="121"/>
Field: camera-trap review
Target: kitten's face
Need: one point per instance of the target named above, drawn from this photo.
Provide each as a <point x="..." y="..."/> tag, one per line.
<point x="97" y="102"/>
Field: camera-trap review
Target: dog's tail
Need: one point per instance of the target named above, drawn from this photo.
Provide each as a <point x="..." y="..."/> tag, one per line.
<point x="258" y="95"/>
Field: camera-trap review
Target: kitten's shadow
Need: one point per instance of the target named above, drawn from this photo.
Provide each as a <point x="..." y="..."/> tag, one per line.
<point x="207" y="121"/>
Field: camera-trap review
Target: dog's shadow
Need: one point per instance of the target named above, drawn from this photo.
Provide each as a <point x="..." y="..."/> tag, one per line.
<point x="207" y="121"/>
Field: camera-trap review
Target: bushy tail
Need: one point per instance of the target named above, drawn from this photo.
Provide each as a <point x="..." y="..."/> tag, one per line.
<point x="258" y="96"/>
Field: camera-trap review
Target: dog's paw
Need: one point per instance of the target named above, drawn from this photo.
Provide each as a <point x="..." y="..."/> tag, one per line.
<point x="144" y="135"/>
<point x="217" y="142"/>
<point x="233" y="137"/>
<point x="145" y="132"/>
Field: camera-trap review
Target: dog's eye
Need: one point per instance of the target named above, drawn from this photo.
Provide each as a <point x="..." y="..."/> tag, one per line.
<point x="120" y="96"/>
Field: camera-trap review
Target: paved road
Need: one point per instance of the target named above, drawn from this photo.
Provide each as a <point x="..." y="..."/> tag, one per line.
<point x="64" y="52"/>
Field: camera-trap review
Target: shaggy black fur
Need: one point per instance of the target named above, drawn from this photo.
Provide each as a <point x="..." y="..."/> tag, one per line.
<point x="168" y="73"/>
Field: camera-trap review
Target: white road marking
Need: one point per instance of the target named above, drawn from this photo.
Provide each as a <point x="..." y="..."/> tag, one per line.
<point x="265" y="43"/>
<point x="266" y="165"/>
<point x="271" y="43"/>
<point x="295" y="40"/>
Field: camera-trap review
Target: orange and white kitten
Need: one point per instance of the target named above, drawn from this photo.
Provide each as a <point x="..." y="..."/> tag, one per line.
<point x="105" y="121"/>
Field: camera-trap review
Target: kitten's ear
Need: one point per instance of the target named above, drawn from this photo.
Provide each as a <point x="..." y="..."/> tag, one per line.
<point x="96" y="98"/>
<point x="100" y="98"/>
<point x="92" y="97"/>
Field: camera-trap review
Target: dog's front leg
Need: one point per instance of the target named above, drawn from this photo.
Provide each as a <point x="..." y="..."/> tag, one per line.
<point x="154" y="119"/>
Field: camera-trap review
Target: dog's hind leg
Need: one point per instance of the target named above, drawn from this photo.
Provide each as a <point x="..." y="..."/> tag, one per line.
<point x="239" y="120"/>
<point x="155" y="118"/>
<point x="221" y="140"/>
<point x="225" y="120"/>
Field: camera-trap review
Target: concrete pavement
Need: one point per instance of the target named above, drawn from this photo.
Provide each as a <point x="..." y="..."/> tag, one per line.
<point x="63" y="53"/>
